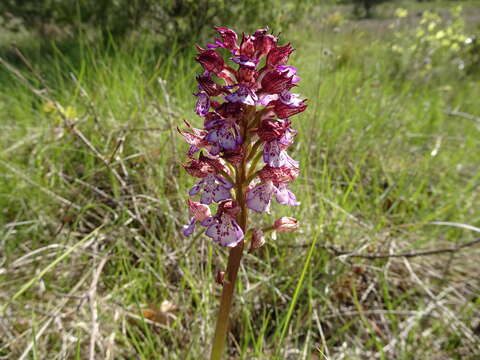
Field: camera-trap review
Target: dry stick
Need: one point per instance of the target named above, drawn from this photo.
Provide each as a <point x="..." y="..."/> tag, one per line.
<point x="92" y="296"/>
<point x="462" y="115"/>
<point x="338" y="253"/>
<point x="322" y="336"/>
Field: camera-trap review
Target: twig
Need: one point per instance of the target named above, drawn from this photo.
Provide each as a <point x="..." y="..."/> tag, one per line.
<point x="338" y="253"/>
<point x="462" y="115"/>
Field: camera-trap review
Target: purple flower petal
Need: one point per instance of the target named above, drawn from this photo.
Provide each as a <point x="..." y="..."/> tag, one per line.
<point x="285" y="196"/>
<point x="227" y="136"/>
<point x="291" y="100"/>
<point x="290" y="70"/>
<point x="195" y="189"/>
<point x="259" y="198"/>
<point x="215" y="188"/>
<point x="243" y="95"/>
<point x="266" y="99"/>
<point x="226" y="139"/>
<point x="187" y="230"/>
<point x="203" y="103"/>
<point x="245" y="61"/>
<point x="275" y="156"/>
<point x="225" y="231"/>
<point x="224" y="182"/>
<point x="208" y="221"/>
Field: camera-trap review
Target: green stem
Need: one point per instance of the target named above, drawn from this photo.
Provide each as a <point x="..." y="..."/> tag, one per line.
<point x="226" y="302"/>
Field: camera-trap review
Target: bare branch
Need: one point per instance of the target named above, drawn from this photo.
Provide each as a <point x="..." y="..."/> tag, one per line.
<point x="353" y="254"/>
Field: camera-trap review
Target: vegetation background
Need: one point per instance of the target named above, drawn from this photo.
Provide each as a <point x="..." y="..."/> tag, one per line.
<point x="92" y="196"/>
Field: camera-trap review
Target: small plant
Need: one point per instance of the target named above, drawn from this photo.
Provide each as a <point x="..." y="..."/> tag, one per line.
<point x="334" y="20"/>
<point x="437" y="42"/>
<point x="246" y="113"/>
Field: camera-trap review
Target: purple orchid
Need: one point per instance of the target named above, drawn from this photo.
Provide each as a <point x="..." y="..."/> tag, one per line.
<point x="250" y="104"/>
<point x="243" y="95"/>
<point x="275" y="156"/>
<point x="215" y="188"/>
<point x="199" y="212"/>
<point x="223" y="229"/>
<point x="246" y="105"/>
<point x="203" y="103"/>
<point x="225" y="134"/>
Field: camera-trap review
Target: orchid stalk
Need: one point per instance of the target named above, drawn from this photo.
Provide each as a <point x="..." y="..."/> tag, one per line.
<point x="246" y="108"/>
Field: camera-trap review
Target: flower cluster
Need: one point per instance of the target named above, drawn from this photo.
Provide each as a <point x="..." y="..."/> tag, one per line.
<point x="246" y="106"/>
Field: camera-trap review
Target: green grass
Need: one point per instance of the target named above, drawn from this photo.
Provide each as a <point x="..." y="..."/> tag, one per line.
<point x="380" y="156"/>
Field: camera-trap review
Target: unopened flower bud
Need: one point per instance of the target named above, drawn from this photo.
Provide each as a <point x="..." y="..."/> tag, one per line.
<point x="229" y="38"/>
<point x="220" y="277"/>
<point x="285" y="224"/>
<point x="263" y="43"/>
<point x="210" y="60"/>
<point x="258" y="240"/>
<point x="279" y="55"/>
<point x="229" y="207"/>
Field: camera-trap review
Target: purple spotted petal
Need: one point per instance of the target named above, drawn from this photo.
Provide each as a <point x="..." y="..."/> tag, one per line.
<point x="224" y="182"/>
<point x="208" y="221"/>
<point x="214" y="190"/>
<point x="285" y="196"/>
<point x="275" y="156"/>
<point x="187" y="230"/>
<point x="203" y="103"/>
<point x="225" y="231"/>
<point x="226" y="139"/>
<point x="207" y="197"/>
<point x="259" y="198"/>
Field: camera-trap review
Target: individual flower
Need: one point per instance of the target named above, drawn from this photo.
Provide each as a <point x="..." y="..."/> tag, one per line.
<point x="198" y="213"/>
<point x="224" y="133"/>
<point x="229" y="39"/>
<point x="203" y="103"/>
<point x="275" y="156"/>
<point x="244" y="95"/>
<point x="223" y="229"/>
<point x="214" y="189"/>
<point x="210" y="60"/>
<point x="259" y="198"/>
